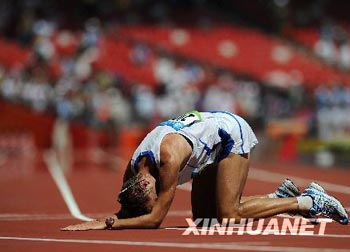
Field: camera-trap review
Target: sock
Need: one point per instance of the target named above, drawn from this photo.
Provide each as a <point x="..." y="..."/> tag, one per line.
<point x="272" y="195"/>
<point x="304" y="202"/>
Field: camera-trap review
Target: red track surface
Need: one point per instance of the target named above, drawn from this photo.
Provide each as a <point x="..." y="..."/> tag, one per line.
<point x="32" y="211"/>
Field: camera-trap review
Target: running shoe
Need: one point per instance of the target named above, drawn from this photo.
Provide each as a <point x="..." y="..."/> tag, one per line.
<point x="325" y="205"/>
<point x="316" y="186"/>
<point x="286" y="190"/>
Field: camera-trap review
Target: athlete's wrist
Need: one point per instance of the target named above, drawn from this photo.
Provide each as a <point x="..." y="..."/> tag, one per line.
<point x="110" y="223"/>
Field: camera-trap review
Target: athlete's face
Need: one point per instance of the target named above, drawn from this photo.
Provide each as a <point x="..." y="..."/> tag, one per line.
<point x="149" y="184"/>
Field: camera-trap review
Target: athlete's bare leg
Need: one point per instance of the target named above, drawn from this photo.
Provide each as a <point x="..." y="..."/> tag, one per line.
<point x="203" y="195"/>
<point x="246" y="198"/>
<point x="231" y="177"/>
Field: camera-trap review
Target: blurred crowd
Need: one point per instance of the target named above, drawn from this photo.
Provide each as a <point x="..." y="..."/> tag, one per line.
<point x="333" y="45"/>
<point x="333" y="112"/>
<point x="61" y="78"/>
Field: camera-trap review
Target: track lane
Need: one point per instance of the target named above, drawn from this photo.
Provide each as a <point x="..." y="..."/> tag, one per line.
<point x="93" y="188"/>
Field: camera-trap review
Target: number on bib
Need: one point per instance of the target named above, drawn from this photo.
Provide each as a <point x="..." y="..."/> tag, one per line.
<point x="184" y="120"/>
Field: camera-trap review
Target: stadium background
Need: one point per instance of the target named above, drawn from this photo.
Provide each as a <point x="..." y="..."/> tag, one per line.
<point x="99" y="74"/>
<point x="82" y="82"/>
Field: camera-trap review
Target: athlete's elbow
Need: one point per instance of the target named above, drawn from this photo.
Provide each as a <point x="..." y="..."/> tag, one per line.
<point x="153" y="224"/>
<point x="152" y="221"/>
<point x="157" y="222"/>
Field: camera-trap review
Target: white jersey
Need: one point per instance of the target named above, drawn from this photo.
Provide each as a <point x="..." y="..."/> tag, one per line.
<point x="213" y="135"/>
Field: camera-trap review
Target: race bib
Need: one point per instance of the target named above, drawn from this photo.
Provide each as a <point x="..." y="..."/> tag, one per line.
<point x="184" y="120"/>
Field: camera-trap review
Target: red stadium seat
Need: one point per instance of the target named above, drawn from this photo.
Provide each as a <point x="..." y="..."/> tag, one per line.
<point x="239" y="49"/>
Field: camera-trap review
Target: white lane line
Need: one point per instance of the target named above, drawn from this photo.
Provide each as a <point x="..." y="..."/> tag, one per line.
<point x="39" y="217"/>
<point x="212" y="246"/>
<point x="315" y="220"/>
<point x="186" y="187"/>
<point x="346" y="236"/>
<point x="180" y="213"/>
<point x="34" y="217"/>
<point x="274" y="177"/>
<point x="61" y="182"/>
<point x="173" y="213"/>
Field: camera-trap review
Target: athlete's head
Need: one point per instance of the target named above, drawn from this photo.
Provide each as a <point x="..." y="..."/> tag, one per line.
<point x="137" y="196"/>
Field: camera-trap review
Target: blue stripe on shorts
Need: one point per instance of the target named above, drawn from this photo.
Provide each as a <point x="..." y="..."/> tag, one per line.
<point x="239" y="125"/>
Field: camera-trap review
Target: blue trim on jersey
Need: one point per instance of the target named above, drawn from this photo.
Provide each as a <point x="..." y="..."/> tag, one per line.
<point x="233" y="116"/>
<point x="143" y="154"/>
<point x="227" y="144"/>
<point x="176" y="125"/>
<point x="181" y="122"/>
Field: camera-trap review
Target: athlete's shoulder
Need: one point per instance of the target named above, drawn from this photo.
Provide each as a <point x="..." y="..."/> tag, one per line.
<point x="174" y="148"/>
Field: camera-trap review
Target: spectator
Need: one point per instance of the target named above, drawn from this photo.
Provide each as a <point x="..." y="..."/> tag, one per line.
<point x="92" y="34"/>
<point x="326" y="47"/>
<point x="344" y="54"/>
<point x="140" y="54"/>
<point x="144" y="101"/>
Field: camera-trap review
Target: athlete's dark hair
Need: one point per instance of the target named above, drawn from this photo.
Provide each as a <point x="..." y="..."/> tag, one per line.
<point x="133" y="197"/>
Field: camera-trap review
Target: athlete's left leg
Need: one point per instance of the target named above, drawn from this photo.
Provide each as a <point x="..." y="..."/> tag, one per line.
<point x="231" y="177"/>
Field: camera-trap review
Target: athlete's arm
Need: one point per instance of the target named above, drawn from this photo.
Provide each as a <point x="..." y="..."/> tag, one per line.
<point x="168" y="181"/>
<point x="168" y="176"/>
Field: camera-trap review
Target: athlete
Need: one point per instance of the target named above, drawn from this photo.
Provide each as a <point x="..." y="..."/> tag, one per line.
<point x="212" y="148"/>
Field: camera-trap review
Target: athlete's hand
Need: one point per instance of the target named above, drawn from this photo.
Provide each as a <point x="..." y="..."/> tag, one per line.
<point x="90" y="225"/>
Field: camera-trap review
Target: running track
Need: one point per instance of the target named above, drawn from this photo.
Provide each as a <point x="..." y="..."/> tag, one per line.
<point x="33" y="209"/>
